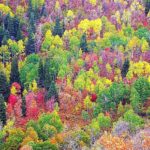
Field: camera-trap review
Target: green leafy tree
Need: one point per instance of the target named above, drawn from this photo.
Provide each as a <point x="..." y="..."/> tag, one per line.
<point x="4" y="87"/>
<point x="125" y="68"/>
<point x="143" y="33"/>
<point x="135" y="100"/>
<point x="104" y="121"/>
<point x="111" y="97"/>
<point x="14" y="75"/>
<point x="83" y="43"/>
<point x="142" y="86"/>
<point x="46" y="145"/>
<point x="133" y="119"/>
<point x="2" y="110"/>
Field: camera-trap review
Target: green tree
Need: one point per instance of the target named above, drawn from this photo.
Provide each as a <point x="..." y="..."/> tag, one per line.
<point x="6" y="37"/>
<point x="41" y="74"/>
<point x="14" y="75"/>
<point x="52" y="92"/>
<point x="17" y="28"/>
<point x="147" y="7"/>
<point x="4" y="87"/>
<point x="1" y="35"/>
<point x="142" y="86"/>
<point x="135" y="100"/>
<point x="11" y="26"/>
<point x="30" y="46"/>
<point x="43" y="11"/>
<point x="47" y="77"/>
<point x="2" y="110"/>
<point x="125" y="68"/>
<point x="57" y="28"/>
<point x="83" y="43"/>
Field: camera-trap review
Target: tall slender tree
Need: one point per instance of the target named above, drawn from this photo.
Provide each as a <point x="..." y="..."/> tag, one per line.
<point x="41" y="74"/>
<point x="1" y="35"/>
<point x="23" y="106"/>
<point x="30" y="46"/>
<point x="125" y="68"/>
<point x="2" y="110"/>
<point x="47" y="77"/>
<point x="57" y="28"/>
<point x="4" y="87"/>
<point x="14" y="75"/>
<point x="83" y="43"/>
<point x="52" y="92"/>
<point x="147" y="7"/>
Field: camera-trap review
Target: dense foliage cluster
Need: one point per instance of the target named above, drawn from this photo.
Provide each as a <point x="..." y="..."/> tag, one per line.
<point x="74" y="74"/>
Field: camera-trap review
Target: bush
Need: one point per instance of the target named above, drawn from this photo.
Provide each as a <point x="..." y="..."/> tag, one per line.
<point x="104" y="121"/>
<point x="82" y="136"/>
<point x="47" y="125"/>
<point x="133" y="119"/>
<point x="14" y="140"/>
<point x="43" y="146"/>
<point x="85" y="115"/>
<point x="148" y="112"/>
<point x="51" y="119"/>
<point x="120" y="127"/>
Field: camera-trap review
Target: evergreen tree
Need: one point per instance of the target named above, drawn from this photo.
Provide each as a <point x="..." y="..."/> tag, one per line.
<point x="52" y="92"/>
<point x="83" y="43"/>
<point x="32" y="22"/>
<point x="17" y="28"/>
<point x="43" y="11"/>
<point x="125" y="68"/>
<point x="147" y="7"/>
<point x="41" y="74"/>
<point x="6" y="37"/>
<point x="30" y="9"/>
<point x="6" y="22"/>
<point x="14" y="75"/>
<point x="16" y="25"/>
<point x="2" y="110"/>
<point x="30" y="46"/>
<point x="135" y="100"/>
<point x="1" y="35"/>
<point x="11" y="28"/>
<point x="47" y="77"/>
<point x="4" y="87"/>
<point x="23" y="106"/>
<point x="63" y="28"/>
<point x="57" y="29"/>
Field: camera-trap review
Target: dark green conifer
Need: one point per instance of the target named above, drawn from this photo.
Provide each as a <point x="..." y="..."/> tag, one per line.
<point x="41" y="74"/>
<point x="57" y="28"/>
<point x="4" y="87"/>
<point x="30" y="46"/>
<point x="14" y="75"/>
<point x="125" y="68"/>
<point x="2" y="110"/>
<point x="83" y="43"/>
